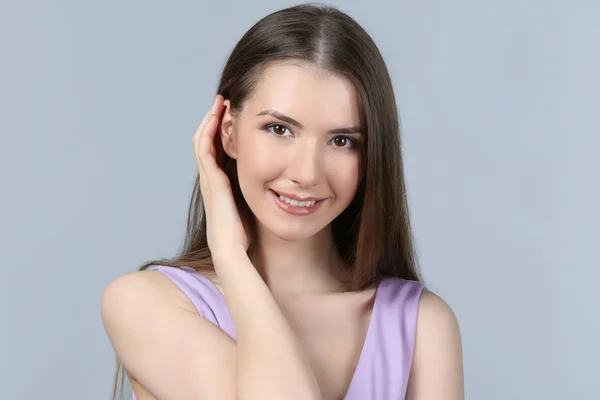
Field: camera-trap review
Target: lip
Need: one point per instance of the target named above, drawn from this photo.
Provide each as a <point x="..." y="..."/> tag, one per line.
<point x="291" y="196"/>
<point x="295" y="210"/>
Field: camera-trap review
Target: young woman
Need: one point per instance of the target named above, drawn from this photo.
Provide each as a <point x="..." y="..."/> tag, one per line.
<point x="298" y="278"/>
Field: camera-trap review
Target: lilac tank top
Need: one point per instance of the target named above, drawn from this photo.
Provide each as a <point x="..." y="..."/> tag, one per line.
<point x="384" y="363"/>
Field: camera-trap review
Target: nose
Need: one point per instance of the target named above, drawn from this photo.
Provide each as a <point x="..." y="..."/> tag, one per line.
<point x="305" y="167"/>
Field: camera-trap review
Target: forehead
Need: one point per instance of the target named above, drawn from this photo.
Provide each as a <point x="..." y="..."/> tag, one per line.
<point x="303" y="92"/>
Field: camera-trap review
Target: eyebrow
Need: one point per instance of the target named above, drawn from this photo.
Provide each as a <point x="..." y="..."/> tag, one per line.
<point x="349" y="131"/>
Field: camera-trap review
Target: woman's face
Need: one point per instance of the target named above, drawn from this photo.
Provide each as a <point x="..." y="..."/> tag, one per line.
<point x="299" y="138"/>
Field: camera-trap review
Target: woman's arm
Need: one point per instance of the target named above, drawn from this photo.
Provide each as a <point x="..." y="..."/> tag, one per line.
<point x="174" y="353"/>
<point x="270" y="362"/>
<point x="437" y="368"/>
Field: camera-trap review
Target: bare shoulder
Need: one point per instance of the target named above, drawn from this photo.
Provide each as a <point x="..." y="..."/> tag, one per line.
<point x="167" y="348"/>
<point x="141" y="288"/>
<point x="437" y="368"/>
<point x="435" y="313"/>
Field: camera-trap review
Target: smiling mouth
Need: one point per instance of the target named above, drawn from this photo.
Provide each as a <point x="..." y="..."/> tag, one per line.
<point x="296" y="203"/>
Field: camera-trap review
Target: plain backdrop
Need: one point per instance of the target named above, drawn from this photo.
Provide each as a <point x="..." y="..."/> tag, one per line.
<point x="498" y="100"/>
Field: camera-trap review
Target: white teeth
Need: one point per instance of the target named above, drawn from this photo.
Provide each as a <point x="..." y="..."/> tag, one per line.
<point x="297" y="203"/>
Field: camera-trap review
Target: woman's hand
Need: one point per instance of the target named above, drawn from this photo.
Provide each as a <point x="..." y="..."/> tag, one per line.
<point x="225" y="231"/>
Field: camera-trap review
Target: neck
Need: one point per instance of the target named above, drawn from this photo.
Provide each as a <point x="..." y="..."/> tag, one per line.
<point x="301" y="267"/>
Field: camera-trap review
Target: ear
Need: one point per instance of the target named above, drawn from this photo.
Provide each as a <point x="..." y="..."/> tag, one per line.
<point x="227" y="131"/>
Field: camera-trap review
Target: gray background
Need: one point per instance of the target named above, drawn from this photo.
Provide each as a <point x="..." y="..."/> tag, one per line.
<point x="98" y="105"/>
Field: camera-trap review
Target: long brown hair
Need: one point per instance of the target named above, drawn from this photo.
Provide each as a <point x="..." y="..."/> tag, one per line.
<point x="373" y="235"/>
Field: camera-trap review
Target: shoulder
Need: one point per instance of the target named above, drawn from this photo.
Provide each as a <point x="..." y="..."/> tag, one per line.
<point x="138" y="290"/>
<point x="132" y="284"/>
<point x="437" y="363"/>
<point x="158" y="290"/>
<point x="422" y="308"/>
<point x="435" y="313"/>
<point x="182" y="286"/>
<point x="153" y="327"/>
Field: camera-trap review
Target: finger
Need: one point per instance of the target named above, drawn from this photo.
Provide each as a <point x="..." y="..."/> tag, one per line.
<point x="211" y="131"/>
<point x="203" y="122"/>
<point x="217" y="103"/>
<point x="205" y="144"/>
<point x="206" y="134"/>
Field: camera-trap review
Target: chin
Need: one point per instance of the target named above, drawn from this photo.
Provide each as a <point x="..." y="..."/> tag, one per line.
<point x="288" y="230"/>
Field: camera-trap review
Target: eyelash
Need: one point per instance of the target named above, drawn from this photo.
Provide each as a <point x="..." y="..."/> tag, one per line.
<point x="353" y="142"/>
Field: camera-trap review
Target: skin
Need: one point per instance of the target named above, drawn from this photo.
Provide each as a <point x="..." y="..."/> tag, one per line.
<point x="315" y="332"/>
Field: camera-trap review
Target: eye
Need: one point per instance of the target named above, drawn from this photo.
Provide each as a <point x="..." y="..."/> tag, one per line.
<point x="277" y="129"/>
<point x="343" y="142"/>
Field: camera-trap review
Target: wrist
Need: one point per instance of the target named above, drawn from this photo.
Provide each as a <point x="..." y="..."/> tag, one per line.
<point x="226" y="256"/>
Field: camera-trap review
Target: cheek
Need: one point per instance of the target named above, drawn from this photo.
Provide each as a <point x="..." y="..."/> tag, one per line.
<point x="344" y="175"/>
<point x="256" y="163"/>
